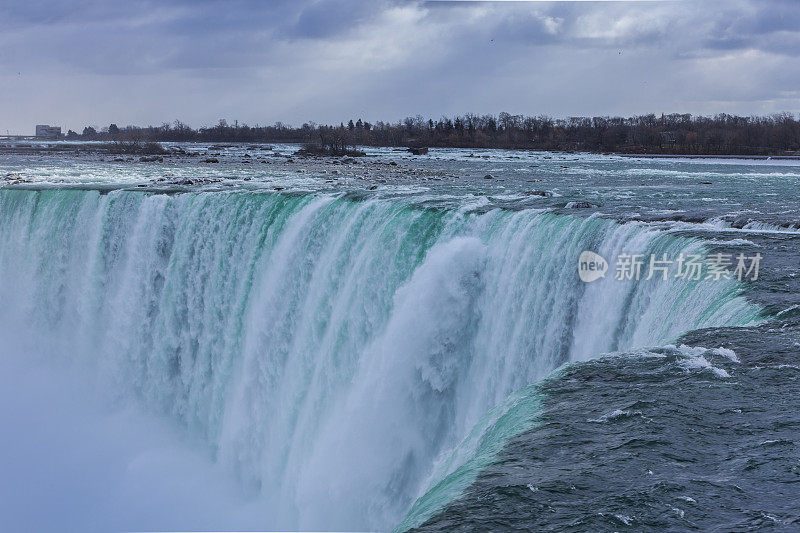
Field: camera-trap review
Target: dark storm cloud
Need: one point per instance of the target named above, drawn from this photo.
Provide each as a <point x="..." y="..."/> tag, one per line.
<point x="326" y="60"/>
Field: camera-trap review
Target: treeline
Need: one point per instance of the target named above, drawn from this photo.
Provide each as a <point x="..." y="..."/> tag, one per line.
<point x="777" y="134"/>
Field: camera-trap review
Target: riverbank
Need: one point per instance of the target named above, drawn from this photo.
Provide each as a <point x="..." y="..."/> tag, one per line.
<point x="165" y="149"/>
<point x="713" y="156"/>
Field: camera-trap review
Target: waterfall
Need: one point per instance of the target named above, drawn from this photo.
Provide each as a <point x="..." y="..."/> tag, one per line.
<point x="332" y="352"/>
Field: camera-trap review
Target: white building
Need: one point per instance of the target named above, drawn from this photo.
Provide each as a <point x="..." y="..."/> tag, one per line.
<point x="43" y="131"/>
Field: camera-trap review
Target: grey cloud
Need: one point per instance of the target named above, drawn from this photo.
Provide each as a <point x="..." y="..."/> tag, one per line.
<point x="327" y="60"/>
<point x="323" y="20"/>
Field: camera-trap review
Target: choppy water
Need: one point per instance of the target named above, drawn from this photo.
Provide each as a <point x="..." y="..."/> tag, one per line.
<point x="673" y="439"/>
<point x="419" y="354"/>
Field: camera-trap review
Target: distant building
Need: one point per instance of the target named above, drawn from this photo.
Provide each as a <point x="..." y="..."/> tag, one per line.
<point x="43" y="131"/>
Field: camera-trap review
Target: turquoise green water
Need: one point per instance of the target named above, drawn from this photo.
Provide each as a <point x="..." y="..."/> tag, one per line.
<point x="350" y="362"/>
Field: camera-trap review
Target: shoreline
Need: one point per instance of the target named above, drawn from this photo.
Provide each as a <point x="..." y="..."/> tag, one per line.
<point x="709" y="156"/>
<point x="41" y="146"/>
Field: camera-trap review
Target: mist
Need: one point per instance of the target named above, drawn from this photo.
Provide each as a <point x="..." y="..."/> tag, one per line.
<point x="74" y="460"/>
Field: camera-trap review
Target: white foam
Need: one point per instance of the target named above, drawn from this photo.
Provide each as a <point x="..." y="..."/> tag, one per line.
<point x="695" y="359"/>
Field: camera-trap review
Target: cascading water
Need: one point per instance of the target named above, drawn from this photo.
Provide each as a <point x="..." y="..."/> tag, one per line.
<point x="340" y="356"/>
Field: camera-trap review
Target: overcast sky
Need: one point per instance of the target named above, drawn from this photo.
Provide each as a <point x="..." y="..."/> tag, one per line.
<point x="77" y="63"/>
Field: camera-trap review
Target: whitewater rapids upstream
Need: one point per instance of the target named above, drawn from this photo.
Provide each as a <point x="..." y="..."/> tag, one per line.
<point x="342" y="358"/>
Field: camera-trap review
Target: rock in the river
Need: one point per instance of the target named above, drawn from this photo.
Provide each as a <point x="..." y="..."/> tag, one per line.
<point x="580" y="205"/>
